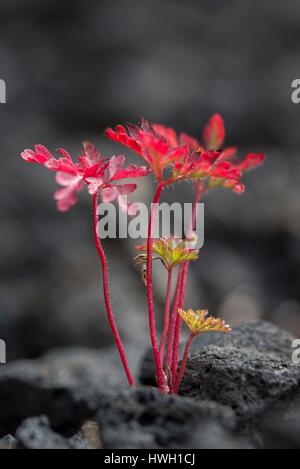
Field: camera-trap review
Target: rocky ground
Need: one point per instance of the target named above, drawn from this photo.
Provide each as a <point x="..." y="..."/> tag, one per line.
<point x="239" y="392"/>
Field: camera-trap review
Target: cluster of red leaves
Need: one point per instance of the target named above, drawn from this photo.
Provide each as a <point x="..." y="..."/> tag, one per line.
<point x="146" y="142"/>
<point x="100" y="174"/>
<point x="161" y="147"/>
<point x="189" y="159"/>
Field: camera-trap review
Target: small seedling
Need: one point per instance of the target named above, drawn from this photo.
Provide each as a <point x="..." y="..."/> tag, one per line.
<point x="171" y="158"/>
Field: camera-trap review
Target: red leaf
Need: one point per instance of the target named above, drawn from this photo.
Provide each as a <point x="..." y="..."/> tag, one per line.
<point x="251" y="161"/>
<point x="214" y="133"/>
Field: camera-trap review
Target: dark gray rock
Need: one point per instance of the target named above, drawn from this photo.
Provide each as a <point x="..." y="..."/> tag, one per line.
<point x="257" y="336"/>
<point x="280" y="429"/>
<point x="144" y="418"/>
<point x="247" y="381"/>
<point x="36" y="434"/>
<point x="66" y="386"/>
<point x="249" y="370"/>
<point x="260" y="336"/>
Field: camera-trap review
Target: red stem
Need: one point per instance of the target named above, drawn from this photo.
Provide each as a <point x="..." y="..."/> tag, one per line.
<point x="173" y="322"/>
<point x="166" y="316"/>
<point x="183" y="365"/>
<point x="182" y="287"/>
<point x="152" y="319"/>
<point x="110" y="313"/>
<point x="176" y="344"/>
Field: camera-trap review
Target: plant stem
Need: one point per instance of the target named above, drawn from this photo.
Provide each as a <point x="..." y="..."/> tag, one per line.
<point x="183" y="365"/>
<point x="182" y="286"/>
<point x="152" y="319"/>
<point x="110" y="314"/>
<point x="166" y="316"/>
<point x="176" y="343"/>
<point x="172" y="325"/>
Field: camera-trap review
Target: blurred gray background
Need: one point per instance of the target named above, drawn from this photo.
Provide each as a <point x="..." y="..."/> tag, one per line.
<point x="73" y="68"/>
